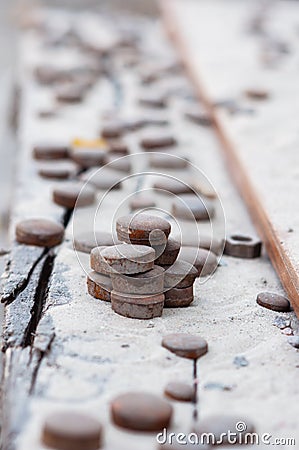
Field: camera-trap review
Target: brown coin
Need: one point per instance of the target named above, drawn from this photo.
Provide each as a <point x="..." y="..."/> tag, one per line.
<point x="178" y="298"/>
<point x="87" y="240"/>
<point x="141" y="228"/>
<point x="118" y="148"/>
<point x="185" y="345"/>
<point x="167" y="185"/>
<point x="40" y="232"/>
<point x="114" y="129"/>
<point x="202" y="241"/>
<point x="129" y="259"/>
<point x="192" y="207"/>
<point x="99" y="286"/>
<point x="204" y="260"/>
<point x="70" y="94"/>
<point x="169" y="253"/>
<point x="168" y="161"/>
<point x="103" y="179"/>
<point x="137" y="306"/>
<point x="57" y="170"/>
<point x="151" y="282"/>
<point x="257" y="94"/>
<point x="118" y="163"/>
<point x="220" y="426"/>
<point x="88" y="157"/>
<point x="181" y="274"/>
<point x="73" y="194"/>
<point x="181" y="392"/>
<point x="157" y="140"/>
<point x="199" y="116"/>
<point x="272" y="301"/>
<point x="141" y="201"/>
<point x="242" y="246"/>
<point x="97" y="262"/>
<point x="140" y="411"/>
<point x="47" y="74"/>
<point x="153" y="101"/>
<point x="50" y="151"/>
<point x="72" y="431"/>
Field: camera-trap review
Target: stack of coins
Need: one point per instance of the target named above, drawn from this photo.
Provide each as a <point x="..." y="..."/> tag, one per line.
<point x="154" y="231"/>
<point x="141" y="275"/>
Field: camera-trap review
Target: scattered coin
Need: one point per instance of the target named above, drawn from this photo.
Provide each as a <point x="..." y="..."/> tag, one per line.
<point x="118" y="163"/>
<point x="39" y="232"/>
<point x="88" y="157"/>
<point x="192" y="207"/>
<point x="141" y="201"/>
<point x="272" y="301"/>
<point x="198" y="116"/>
<point x="181" y="392"/>
<point x="141" y="412"/>
<point x="98" y="263"/>
<point x="167" y="185"/>
<point x="168" y="161"/>
<point x="201" y="241"/>
<point x="50" y="151"/>
<point x="153" y="101"/>
<point x="103" y="178"/>
<point x="153" y="141"/>
<point x="57" y="170"/>
<point x="73" y="194"/>
<point x="70" y="430"/>
<point x="257" y="94"/>
<point x="185" y="345"/>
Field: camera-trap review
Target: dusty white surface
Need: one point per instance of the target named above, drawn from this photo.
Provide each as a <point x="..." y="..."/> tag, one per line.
<point x="87" y="365"/>
<point x="229" y="59"/>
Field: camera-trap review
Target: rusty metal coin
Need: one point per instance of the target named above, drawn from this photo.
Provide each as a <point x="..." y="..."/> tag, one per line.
<point x="181" y="392"/>
<point x="143" y="228"/>
<point x="50" y="151"/>
<point x="98" y="263"/>
<point x="39" y="232"/>
<point x="140" y="411"/>
<point x="99" y="286"/>
<point x="137" y="306"/>
<point x="73" y="194"/>
<point x="167" y="185"/>
<point x="178" y="298"/>
<point x="257" y="94"/>
<point x="153" y="101"/>
<point x="153" y="141"/>
<point x="185" y="345"/>
<point x="117" y="163"/>
<point x="181" y="274"/>
<point x="192" y="207"/>
<point x="141" y="201"/>
<point x="151" y="282"/>
<point x="168" y="253"/>
<point x="204" y="260"/>
<point x="242" y="246"/>
<point x="57" y="170"/>
<point x="168" y="161"/>
<point x="87" y="240"/>
<point x="129" y="259"/>
<point x="88" y="157"/>
<point x="202" y="241"/>
<point x="199" y="116"/>
<point x="72" y="431"/>
<point x="103" y="179"/>
<point x="272" y="301"/>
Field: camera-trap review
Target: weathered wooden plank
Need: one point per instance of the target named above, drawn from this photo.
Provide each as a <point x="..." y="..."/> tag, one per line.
<point x="260" y="148"/>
